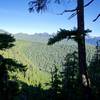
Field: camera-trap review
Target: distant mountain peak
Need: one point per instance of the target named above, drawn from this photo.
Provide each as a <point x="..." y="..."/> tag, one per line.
<point x="3" y="31"/>
<point x="37" y="37"/>
<point x="43" y="37"/>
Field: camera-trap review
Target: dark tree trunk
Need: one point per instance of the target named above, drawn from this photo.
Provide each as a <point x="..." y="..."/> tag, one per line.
<point x="82" y="50"/>
<point x="81" y="39"/>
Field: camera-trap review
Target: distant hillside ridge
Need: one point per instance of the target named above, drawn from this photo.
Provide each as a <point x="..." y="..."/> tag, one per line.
<point x="93" y="40"/>
<point x="43" y="38"/>
<point x="37" y="37"/>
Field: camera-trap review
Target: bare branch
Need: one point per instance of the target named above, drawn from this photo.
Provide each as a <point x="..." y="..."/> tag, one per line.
<point x="88" y="3"/>
<point x="72" y="15"/>
<point x="96" y="17"/>
<point x="73" y="10"/>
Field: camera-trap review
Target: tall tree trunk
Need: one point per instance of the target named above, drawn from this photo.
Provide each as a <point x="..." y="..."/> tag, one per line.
<point x="82" y="50"/>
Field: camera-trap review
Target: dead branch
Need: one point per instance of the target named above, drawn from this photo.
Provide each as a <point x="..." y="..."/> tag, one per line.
<point x="96" y="17"/>
<point x="65" y="11"/>
<point x="73" y="10"/>
<point x="88" y="3"/>
<point x="72" y="15"/>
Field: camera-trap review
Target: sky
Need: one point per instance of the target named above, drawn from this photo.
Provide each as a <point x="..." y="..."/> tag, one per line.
<point x="15" y="17"/>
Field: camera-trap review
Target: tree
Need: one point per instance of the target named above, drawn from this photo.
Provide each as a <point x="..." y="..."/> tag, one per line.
<point x="6" y="65"/>
<point x="70" y="77"/>
<point x="94" y="70"/>
<point x="55" y="82"/>
<point x="41" y="5"/>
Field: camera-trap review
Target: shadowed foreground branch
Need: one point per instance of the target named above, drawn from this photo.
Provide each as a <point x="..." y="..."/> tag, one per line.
<point x="66" y="34"/>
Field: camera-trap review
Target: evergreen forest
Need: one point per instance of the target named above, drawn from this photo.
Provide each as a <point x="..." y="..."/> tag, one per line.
<point x="64" y="65"/>
<point x="41" y="72"/>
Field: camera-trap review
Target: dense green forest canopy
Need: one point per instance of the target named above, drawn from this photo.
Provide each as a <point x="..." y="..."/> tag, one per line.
<point x="40" y="58"/>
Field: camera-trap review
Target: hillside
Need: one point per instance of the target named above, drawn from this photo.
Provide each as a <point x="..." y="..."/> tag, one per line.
<point x="93" y="40"/>
<point x="37" y="37"/>
<point x="40" y="58"/>
<point x="33" y="75"/>
<point x="33" y="51"/>
<point x="43" y="38"/>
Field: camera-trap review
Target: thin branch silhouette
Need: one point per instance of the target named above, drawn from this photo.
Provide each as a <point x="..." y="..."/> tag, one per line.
<point x="74" y="10"/>
<point x="96" y="18"/>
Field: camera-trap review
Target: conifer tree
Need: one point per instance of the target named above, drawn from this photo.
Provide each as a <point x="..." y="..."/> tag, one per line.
<point x="94" y="70"/>
<point x="41" y="5"/>
<point x="70" y="77"/>
<point x="7" y="91"/>
<point x="55" y="83"/>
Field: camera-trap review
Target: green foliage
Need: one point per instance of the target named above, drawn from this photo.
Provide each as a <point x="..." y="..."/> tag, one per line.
<point x="37" y="5"/>
<point x="40" y="5"/>
<point x="6" y="41"/>
<point x="13" y="65"/>
<point x="70" y="77"/>
<point x="42" y="55"/>
<point x="33" y="75"/>
<point x="94" y="71"/>
<point x="6" y="65"/>
<point x="55" y="80"/>
<point x="39" y="59"/>
<point x="66" y="34"/>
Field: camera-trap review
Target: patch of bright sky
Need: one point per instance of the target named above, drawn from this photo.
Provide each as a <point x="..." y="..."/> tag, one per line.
<point x="15" y="18"/>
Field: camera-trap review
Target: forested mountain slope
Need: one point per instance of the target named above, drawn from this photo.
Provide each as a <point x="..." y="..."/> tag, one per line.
<point x="43" y="38"/>
<point x="33" y="75"/>
<point x="39" y="58"/>
<point x="33" y="51"/>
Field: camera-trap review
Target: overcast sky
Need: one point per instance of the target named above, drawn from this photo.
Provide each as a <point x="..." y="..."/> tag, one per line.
<point x="15" y="17"/>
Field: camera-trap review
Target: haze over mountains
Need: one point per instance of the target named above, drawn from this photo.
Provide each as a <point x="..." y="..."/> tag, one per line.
<point x="43" y="37"/>
<point x="33" y="51"/>
<point x="37" y="37"/>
